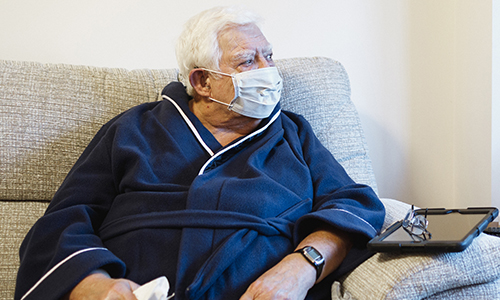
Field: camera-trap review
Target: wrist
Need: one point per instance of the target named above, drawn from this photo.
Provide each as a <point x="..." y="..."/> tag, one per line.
<point x="89" y="280"/>
<point x="303" y="268"/>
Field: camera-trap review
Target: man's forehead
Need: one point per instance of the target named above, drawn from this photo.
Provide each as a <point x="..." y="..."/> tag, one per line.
<point x="243" y="41"/>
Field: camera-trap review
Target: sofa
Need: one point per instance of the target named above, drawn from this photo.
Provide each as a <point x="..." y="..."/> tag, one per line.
<point x="50" y="112"/>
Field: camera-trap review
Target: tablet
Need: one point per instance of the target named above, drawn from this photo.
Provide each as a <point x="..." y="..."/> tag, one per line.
<point x="450" y="230"/>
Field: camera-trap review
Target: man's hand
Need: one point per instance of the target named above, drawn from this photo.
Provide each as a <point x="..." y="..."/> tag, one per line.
<point x="293" y="276"/>
<point x="99" y="285"/>
<point x="289" y="279"/>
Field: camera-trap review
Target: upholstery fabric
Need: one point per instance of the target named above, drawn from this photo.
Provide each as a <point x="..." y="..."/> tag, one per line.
<point x="16" y="219"/>
<point x="487" y="291"/>
<point x="319" y="89"/>
<point x="49" y="113"/>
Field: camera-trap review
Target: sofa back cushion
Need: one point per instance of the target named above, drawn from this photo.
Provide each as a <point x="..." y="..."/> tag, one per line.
<point x="319" y="89"/>
<point x="50" y="112"/>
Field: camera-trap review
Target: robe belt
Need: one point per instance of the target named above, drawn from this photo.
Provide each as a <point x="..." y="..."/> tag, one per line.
<point x="248" y="228"/>
<point x="197" y="219"/>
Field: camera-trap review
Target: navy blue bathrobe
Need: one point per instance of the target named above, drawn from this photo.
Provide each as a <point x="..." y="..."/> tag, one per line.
<point x="155" y="194"/>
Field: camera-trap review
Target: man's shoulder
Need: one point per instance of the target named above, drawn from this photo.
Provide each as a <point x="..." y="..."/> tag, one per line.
<point x="135" y="112"/>
<point x="294" y="121"/>
<point x="175" y="90"/>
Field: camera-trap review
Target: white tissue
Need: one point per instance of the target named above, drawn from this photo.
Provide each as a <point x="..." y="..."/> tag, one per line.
<point x="154" y="290"/>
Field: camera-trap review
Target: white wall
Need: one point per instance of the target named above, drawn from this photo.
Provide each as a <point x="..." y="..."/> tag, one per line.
<point x="473" y="104"/>
<point x="420" y="71"/>
<point x="495" y="177"/>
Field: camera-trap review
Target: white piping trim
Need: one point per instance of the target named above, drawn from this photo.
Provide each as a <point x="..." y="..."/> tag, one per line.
<point x="346" y="211"/>
<point x="57" y="266"/>
<point x="239" y="142"/>
<point x="191" y="126"/>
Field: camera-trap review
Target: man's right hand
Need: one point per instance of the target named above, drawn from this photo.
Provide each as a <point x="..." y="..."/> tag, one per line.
<point x="99" y="285"/>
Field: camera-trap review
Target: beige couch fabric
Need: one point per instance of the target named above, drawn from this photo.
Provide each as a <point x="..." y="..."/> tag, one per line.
<point x="49" y="113"/>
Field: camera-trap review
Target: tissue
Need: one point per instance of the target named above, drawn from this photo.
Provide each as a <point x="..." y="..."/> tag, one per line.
<point x="154" y="290"/>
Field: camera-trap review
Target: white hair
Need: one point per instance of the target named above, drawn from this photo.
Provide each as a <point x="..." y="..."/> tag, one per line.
<point x="198" y="45"/>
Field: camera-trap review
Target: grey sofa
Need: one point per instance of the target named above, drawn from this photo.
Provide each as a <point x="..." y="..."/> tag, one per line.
<point x="49" y="113"/>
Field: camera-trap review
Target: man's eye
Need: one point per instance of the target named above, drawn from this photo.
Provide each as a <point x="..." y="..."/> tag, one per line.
<point x="247" y="62"/>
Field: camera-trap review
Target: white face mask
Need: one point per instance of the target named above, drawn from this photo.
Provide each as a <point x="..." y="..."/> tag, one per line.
<point x="256" y="92"/>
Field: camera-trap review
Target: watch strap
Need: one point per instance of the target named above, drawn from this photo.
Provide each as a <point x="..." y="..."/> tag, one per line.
<point x="314" y="257"/>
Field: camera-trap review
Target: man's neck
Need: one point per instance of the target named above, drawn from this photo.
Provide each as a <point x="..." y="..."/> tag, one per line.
<point x="225" y="125"/>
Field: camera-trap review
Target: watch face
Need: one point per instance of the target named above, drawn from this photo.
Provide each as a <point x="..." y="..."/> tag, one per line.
<point x="313" y="255"/>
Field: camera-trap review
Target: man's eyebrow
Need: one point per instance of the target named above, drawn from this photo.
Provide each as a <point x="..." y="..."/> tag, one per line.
<point x="251" y="53"/>
<point x="243" y="55"/>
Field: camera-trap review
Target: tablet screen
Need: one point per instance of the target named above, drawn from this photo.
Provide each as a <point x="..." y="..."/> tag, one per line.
<point x="443" y="227"/>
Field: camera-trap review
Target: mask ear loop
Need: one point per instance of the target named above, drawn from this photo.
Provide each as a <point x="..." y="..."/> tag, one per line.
<point x="235" y="86"/>
<point x="229" y="106"/>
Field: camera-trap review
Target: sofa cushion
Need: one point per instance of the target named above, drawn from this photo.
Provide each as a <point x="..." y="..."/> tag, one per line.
<point x="319" y="89"/>
<point x="17" y="218"/>
<point x="487" y="291"/>
<point x="50" y="112"/>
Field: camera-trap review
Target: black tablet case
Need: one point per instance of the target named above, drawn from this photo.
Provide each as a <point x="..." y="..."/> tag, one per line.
<point x="452" y="230"/>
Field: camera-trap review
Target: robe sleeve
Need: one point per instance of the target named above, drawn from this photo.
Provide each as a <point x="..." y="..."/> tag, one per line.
<point x="63" y="247"/>
<point x="338" y="200"/>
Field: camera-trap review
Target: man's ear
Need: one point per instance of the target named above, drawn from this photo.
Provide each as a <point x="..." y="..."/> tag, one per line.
<point x="200" y="82"/>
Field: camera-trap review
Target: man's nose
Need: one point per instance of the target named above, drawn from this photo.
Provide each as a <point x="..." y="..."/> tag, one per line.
<point x="264" y="64"/>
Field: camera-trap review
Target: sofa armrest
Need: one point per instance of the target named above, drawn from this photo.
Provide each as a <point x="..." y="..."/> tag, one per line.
<point x="418" y="276"/>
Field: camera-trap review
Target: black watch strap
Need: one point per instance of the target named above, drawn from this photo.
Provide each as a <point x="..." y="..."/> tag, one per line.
<point x="314" y="258"/>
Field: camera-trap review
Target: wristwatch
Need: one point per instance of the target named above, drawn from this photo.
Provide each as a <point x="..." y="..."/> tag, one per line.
<point x="314" y="257"/>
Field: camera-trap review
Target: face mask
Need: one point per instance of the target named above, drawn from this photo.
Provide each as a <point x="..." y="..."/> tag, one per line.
<point x="256" y="92"/>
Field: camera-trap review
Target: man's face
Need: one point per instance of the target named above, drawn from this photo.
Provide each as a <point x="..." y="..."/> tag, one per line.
<point x="244" y="48"/>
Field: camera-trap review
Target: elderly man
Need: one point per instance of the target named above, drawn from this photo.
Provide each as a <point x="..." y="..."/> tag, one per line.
<point x="213" y="187"/>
